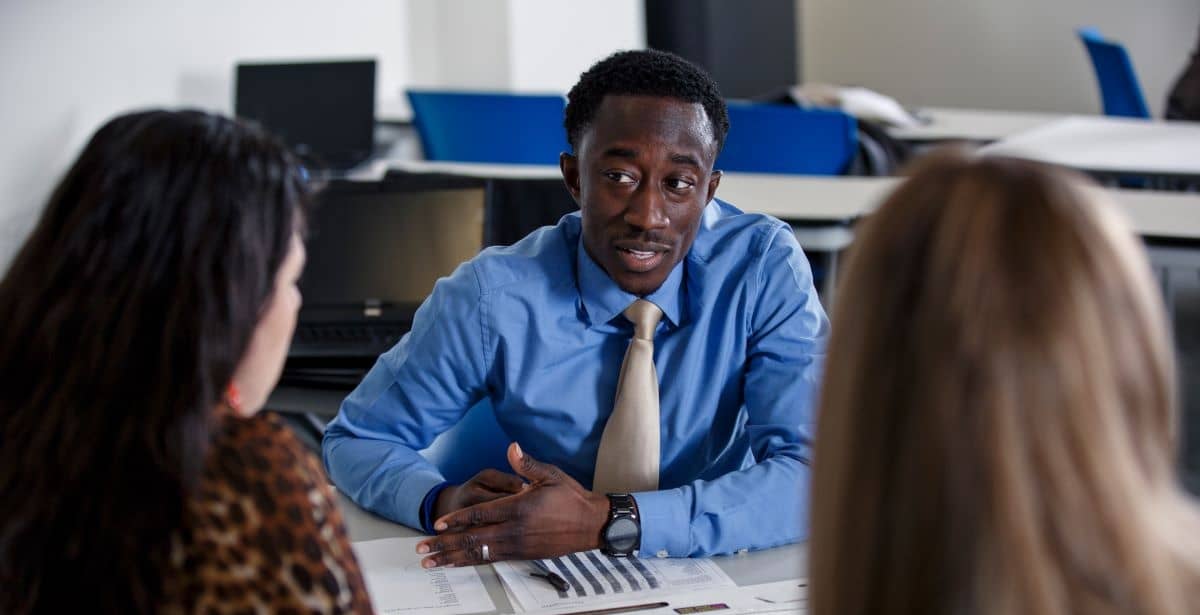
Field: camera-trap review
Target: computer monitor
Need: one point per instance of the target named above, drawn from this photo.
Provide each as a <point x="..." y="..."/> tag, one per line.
<point x="324" y="110"/>
<point x="375" y="250"/>
<point x="380" y="244"/>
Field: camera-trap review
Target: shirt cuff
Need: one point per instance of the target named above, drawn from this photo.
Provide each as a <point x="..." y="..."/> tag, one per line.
<point x="406" y="504"/>
<point x="427" y="506"/>
<point x="666" y="529"/>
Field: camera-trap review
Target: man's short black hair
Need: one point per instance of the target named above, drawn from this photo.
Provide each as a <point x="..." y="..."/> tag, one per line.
<point x="643" y="73"/>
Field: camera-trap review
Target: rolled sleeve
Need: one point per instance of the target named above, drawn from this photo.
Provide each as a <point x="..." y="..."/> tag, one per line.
<point x="417" y="390"/>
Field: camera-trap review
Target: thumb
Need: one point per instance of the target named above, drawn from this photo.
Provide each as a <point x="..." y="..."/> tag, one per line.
<point x="529" y="468"/>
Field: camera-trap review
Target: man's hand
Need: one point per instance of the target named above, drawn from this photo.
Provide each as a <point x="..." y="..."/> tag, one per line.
<point x="486" y="486"/>
<point x="552" y="516"/>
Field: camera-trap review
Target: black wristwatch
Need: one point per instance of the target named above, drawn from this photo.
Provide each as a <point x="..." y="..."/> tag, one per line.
<point x="622" y="535"/>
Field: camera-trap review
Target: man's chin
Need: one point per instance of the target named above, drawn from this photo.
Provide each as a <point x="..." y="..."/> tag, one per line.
<point x="641" y="283"/>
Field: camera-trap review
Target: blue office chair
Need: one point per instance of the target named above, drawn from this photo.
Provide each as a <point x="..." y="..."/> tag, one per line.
<point x="1119" y="89"/>
<point x="489" y="127"/>
<point x="767" y="138"/>
<point x="476" y="443"/>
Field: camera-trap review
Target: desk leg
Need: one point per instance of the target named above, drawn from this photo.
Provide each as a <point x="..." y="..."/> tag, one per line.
<point x="830" y="282"/>
<point x="1178" y="269"/>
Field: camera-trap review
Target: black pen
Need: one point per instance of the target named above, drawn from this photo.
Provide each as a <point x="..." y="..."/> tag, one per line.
<point x="550" y="576"/>
<point x="622" y="609"/>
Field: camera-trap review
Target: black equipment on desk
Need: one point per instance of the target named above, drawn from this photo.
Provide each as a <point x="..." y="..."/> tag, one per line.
<point x="375" y="250"/>
<point x="325" y="111"/>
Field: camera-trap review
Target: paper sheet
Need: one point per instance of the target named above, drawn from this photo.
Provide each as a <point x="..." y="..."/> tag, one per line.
<point x="398" y="584"/>
<point x="786" y="596"/>
<point x="594" y="578"/>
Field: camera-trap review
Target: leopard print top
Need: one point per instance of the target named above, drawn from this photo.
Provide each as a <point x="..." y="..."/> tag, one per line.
<point x="263" y="534"/>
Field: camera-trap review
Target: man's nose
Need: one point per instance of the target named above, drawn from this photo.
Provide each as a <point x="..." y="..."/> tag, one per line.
<point x="647" y="208"/>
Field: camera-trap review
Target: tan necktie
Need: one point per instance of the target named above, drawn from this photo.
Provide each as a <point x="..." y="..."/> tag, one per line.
<point x="628" y="456"/>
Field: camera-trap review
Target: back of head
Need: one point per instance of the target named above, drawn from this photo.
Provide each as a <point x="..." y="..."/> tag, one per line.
<point x="126" y="312"/>
<point x="996" y="417"/>
<point x="645" y="72"/>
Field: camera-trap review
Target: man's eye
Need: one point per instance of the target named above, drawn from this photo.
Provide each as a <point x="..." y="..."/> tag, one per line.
<point x="620" y="177"/>
<point x="679" y="184"/>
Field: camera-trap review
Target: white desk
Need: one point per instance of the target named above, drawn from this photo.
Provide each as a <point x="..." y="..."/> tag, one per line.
<point x="477" y="169"/>
<point x="976" y="125"/>
<point x="821" y="220"/>
<point x="823" y="210"/>
<point x="778" y="564"/>
<point x="1171" y="216"/>
<point x="1111" y="146"/>
<point x="837" y="202"/>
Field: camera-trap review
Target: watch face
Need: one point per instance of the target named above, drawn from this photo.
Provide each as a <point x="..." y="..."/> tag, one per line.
<point x="622" y="535"/>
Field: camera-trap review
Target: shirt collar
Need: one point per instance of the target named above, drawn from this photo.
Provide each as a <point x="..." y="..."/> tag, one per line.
<point x="603" y="300"/>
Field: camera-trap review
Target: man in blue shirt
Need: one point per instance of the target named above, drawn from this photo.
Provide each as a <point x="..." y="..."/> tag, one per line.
<point x="538" y="329"/>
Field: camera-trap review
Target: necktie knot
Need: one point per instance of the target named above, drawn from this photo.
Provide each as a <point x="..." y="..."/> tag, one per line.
<point x="645" y="316"/>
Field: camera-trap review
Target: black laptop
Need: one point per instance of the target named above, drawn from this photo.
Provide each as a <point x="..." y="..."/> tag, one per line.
<point x="325" y="111"/>
<point x="375" y="250"/>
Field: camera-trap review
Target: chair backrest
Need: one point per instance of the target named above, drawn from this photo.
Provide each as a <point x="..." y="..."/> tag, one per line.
<point x="1119" y="90"/>
<point x="476" y="443"/>
<point x="768" y="138"/>
<point x="489" y="126"/>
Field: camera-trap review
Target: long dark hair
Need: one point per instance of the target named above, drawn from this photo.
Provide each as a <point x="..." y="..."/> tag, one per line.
<point x="124" y="315"/>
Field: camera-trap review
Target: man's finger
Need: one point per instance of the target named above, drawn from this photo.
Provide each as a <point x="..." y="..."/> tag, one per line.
<point x="466" y="547"/>
<point x="500" y="481"/>
<point x="530" y="468"/>
<point x="494" y="511"/>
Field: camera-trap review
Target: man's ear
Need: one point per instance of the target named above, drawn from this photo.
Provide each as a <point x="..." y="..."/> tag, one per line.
<point x="714" y="180"/>
<point x="569" y="165"/>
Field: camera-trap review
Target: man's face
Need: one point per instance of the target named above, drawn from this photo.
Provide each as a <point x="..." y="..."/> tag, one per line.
<point x="642" y="175"/>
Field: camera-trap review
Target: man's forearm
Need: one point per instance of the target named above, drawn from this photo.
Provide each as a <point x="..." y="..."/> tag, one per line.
<point x="382" y="477"/>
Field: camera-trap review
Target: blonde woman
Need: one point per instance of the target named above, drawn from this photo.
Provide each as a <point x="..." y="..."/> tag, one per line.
<point x="996" y="429"/>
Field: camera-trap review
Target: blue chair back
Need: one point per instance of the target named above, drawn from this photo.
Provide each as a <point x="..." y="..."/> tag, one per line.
<point x="766" y="138"/>
<point x="1119" y="89"/>
<point x="489" y="127"/>
<point x="476" y="443"/>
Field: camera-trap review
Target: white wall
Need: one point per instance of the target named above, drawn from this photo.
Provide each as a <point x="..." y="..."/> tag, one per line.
<point x="998" y="54"/>
<point x="517" y="45"/>
<point x="459" y="44"/>
<point x="552" y="41"/>
<point x="66" y="66"/>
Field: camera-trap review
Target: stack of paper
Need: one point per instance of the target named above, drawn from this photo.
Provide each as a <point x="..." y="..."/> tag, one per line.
<point x="594" y="578"/>
<point x="398" y="584"/>
<point x="596" y="584"/>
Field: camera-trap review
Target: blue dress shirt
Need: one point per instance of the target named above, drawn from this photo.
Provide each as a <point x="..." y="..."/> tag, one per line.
<point x="536" y="327"/>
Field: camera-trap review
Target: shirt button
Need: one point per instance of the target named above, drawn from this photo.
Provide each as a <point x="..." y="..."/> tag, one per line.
<point x="662" y="553"/>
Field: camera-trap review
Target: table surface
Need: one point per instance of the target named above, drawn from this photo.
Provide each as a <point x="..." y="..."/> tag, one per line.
<point x="778" y="564"/>
<point x="1110" y="145"/>
<point x="1151" y="214"/>
<point x="807" y="199"/>
<point x="979" y="125"/>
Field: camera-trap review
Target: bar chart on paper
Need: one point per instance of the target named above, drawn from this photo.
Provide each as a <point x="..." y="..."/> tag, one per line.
<point x="594" y="578"/>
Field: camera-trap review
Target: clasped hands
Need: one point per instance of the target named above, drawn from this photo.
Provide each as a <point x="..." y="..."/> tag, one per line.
<point x="548" y="516"/>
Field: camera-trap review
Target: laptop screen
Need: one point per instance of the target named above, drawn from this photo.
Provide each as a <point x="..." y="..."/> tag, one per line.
<point x="324" y="110"/>
<point x="375" y="243"/>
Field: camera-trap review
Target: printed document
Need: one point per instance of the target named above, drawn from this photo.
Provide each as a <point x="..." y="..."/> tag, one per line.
<point x="594" y="578"/>
<point x="398" y="584"/>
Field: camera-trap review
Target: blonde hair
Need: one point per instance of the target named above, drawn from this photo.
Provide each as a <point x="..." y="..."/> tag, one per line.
<point x="996" y="430"/>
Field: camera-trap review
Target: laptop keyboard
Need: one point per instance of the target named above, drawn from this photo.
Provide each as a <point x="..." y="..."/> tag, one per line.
<point x="356" y="333"/>
<point x="346" y="339"/>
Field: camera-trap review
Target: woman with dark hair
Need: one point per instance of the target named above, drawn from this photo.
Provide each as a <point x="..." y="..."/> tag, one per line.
<point x="146" y="319"/>
<point x="997" y="419"/>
